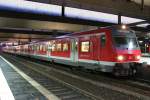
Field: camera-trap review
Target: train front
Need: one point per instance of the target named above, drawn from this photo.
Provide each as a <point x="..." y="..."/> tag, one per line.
<point x="127" y="51"/>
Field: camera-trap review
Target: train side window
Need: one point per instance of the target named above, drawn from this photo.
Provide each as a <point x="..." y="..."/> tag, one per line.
<point x="33" y="47"/>
<point x="44" y="47"/>
<point x="59" y="47"/>
<point x="49" y="47"/>
<point x="36" y="47"/>
<point x="65" y="47"/>
<point x="54" y="47"/>
<point x="103" y="40"/>
<point x="40" y="47"/>
<point x="85" y="46"/>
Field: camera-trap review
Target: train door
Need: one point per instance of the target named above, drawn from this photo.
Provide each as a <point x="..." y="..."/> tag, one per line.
<point x="47" y="48"/>
<point x="95" y="47"/>
<point x="74" y="50"/>
<point x="103" y="51"/>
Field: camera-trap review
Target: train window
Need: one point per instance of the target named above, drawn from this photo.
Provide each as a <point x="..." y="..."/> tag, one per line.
<point x="35" y="47"/>
<point x="31" y="47"/>
<point x="65" y="47"/>
<point x="125" y="42"/>
<point x="85" y="46"/>
<point x="41" y="47"/>
<point x="38" y="47"/>
<point x="49" y="47"/>
<point x="54" y="47"/>
<point x="59" y="47"/>
<point x="44" y="47"/>
<point x="103" y="40"/>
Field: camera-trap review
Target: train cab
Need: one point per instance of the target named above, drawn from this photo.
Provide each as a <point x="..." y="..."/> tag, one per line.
<point x="126" y="46"/>
<point x="126" y="49"/>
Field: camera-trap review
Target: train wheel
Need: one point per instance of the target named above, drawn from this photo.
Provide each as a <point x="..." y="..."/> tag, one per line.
<point x="132" y="72"/>
<point x="116" y="72"/>
<point x="52" y="62"/>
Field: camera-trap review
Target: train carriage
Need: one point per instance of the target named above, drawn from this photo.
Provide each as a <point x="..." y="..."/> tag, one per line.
<point x="111" y="49"/>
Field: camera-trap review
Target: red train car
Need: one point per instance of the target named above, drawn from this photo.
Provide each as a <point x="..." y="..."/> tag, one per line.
<point x="111" y="49"/>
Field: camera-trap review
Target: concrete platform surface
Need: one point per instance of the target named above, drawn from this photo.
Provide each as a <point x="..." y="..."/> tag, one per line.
<point x="16" y="85"/>
<point x="145" y="59"/>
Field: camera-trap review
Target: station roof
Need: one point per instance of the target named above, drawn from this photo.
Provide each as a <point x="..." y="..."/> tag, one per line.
<point x="24" y="29"/>
<point x="48" y="25"/>
<point x="146" y="2"/>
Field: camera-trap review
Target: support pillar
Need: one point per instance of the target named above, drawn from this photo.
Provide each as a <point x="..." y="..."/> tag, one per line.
<point x="142" y="5"/>
<point x="119" y="18"/>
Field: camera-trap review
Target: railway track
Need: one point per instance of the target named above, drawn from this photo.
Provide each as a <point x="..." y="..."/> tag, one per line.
<point x="60" y="90"/>
<point x="119" y="83"/>
<point x="105" y="77"/>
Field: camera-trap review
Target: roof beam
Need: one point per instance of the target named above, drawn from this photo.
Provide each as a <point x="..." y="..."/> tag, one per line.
<point x="32" y="31"/>
<point x="134" y="24"/>
<point x="141" y="29"/>
<point x="22" y="38"/>
<point x="43" y="17"/>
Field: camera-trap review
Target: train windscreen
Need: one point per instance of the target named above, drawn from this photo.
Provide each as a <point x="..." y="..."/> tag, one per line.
<point x="125" y="40"/>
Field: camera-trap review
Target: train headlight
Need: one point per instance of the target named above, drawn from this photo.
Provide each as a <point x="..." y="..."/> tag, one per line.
<point x="120" y="58"/>
<point x="138" y="57"/>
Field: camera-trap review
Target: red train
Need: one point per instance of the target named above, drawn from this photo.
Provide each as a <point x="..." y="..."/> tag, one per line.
<point x="111" y="49"/>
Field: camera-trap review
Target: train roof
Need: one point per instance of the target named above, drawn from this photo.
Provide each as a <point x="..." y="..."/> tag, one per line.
<point x="99" y="29"/>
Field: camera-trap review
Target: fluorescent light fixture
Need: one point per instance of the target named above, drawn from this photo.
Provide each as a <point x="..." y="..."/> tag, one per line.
<point x="146" y="2"/>
<point x="49" y="9"/>
<point x="98" y="16"/>
<point x="140" y="41"/>
<point x="129" y="20"/>
<point x="90" y="15"/>
<point x="143" y="25"/>
<point x="28" y="6"/>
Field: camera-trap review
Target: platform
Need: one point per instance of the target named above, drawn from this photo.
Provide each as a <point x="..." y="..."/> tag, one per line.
<point x="16" y="85"/>
<point x="145" y="59"/>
